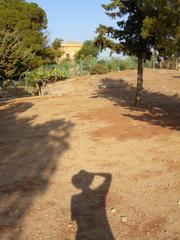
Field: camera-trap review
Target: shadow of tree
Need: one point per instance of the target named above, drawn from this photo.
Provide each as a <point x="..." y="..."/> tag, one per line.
<point x="29" y="155"/>
<point x="88" y="208"/>
<point x="158" y="108"/>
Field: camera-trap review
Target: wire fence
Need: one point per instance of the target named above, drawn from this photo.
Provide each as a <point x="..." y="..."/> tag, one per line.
<point x="30" y="81"/>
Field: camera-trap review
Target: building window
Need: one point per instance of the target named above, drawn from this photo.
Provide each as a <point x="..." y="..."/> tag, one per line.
<point x="67" y="55"/>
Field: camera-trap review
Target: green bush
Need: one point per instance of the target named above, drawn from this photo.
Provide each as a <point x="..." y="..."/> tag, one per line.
<point x="55" y="72"/>
<point x="115" y="64"/>
<point x="32" y="83"/>
<point x="105" y="66"/>
<point x="85" y="65"/>
<point x="99" y="68"/>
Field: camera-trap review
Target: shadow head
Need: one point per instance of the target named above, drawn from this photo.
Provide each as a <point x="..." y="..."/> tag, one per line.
<point x="83" y="179"/>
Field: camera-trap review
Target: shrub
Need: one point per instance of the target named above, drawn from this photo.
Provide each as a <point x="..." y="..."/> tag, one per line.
<point x="99" y="68"/>
<point x="53" y="72"/>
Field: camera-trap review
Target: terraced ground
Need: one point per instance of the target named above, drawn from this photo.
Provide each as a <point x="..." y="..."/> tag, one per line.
<point x="82" y="163"/>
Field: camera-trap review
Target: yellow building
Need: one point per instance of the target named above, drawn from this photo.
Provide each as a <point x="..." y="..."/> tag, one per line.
<point x="70" y="49"/>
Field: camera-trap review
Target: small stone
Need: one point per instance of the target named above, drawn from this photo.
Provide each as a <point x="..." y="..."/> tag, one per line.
<point x="171" y="221"/>
<point x="139" y="228"/>
<point x="70" y="225"/>
<point x="113" y="210"/>
<point x="178" y="202"/>
<point x="123" y="219"/>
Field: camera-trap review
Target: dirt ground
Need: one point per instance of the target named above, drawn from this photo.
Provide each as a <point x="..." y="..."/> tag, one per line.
<point x="81" y="163"/>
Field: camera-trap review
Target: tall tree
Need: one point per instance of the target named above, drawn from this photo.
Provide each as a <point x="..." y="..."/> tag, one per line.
<point x="56" y="46"/>
<point x="88" y="49"/>
<point x="14" y="58"/>
<point x="142" y="27"/>
<point x="57" y="43"/>
<point x="30" y="21"/>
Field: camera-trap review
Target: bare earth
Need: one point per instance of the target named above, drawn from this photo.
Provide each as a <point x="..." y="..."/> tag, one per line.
<point x="82" y="164"/>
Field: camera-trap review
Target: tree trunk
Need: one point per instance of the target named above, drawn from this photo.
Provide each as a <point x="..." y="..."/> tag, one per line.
<point x="139" y="90"/>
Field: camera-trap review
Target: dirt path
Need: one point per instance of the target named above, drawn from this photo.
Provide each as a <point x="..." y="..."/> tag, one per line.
<point x="81" y="163"/>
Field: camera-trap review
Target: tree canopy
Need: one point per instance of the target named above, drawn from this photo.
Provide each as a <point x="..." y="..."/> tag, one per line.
<point x="14" y="59"/>
<point x="56" y="46"/>
<point x="142" y="26"/>
<point x="88" y="49"/>
<point x="30" y="21"/>
<point x="57" y="43"/>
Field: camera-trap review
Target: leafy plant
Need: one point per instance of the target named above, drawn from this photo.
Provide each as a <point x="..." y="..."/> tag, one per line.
<point x="99" y="68"/>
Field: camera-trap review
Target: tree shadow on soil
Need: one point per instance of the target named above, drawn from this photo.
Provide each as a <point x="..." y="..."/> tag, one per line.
<point x="88" y="208"/>
<point x="28" y="158"/>
<point x="158" y="108"/>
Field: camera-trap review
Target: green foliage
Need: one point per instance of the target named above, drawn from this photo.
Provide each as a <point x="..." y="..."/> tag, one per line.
<point x="162" y="22"/>
<point x="141" y="27"/>
<point x="88" y="50"/>
<point x="57" y="43"/>
<point x="99" y="68"/>
<point x="55" y="52"/>
<point x="66" y="62"/>
<point x="49" y="56"/>
<point x="14" y="58"/>
<point x="87" y="63"/>
<point x="116" y="64"/>
<point x="30" y="21"/>
<point x="113" y="64"/>
<point x="48" y="72"/>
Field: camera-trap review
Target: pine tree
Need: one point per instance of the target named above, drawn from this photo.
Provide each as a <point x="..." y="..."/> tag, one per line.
<point x="142" y="27"/>
<point x="14" y="57"/>
<point x="88" y="49"/>
<point x="30" y="21"/>
<point x="56" y="46"/>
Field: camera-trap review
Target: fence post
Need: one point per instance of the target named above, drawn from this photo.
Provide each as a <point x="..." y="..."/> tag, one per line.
<point x="81" y="67"/>
<point x="153" y="61"/>
<point x="130" y="63"/>
<point x="14" y="86"/>
<point x="69" y="70"/>
<point x="106" y="62"/>
<point x="26" y="82"/>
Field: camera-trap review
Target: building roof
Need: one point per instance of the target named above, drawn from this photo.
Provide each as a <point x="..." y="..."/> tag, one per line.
<point x="71" y="43"/>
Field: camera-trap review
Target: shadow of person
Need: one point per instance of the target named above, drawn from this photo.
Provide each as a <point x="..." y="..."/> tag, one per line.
<point x="88" y="208"/>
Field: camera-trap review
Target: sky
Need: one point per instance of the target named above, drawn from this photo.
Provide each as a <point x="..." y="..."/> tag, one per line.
<point x="73" y="20"/>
